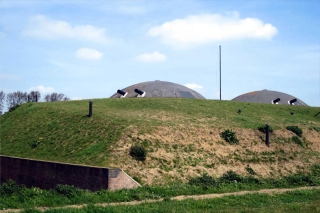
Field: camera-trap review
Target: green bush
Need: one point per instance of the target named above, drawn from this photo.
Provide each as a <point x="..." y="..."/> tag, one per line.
<point x="297" y="140"/>
<point x="229" y="136"/>
<point x="138" y="153"/>
<point x="68" y="191"/>
<point x="262" y="128"/>
<point x="36" y="143"/>
<point x="230" y="176"/>
<point x="298" y="180"/>
<point x="9" y="187"/>
<point x="11" y="109"/>
<point x="250" y="180"/>
<point x="204" y="181"/>
<point x="295" y="129"/>
<point x="250" y="170"/>
<point x="315" y="169"/>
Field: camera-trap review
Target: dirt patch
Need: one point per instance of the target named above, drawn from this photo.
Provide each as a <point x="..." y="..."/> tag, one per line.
<point x="313" y="137"/>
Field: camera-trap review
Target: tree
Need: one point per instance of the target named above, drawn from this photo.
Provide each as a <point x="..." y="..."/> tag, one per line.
<point x="54" y="97"/>
<point x="2" y="96"/>
<point x="34" y="96"/>
<point x="16" y="98"/>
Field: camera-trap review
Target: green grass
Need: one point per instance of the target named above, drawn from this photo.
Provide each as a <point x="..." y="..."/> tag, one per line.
<point x="68" y="135"/>
<point x="62" y="131"/>
<point x="297" y="201"/>
<point x="15" y="196"/>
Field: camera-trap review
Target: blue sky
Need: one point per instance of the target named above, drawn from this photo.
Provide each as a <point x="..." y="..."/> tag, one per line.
<point x="89" y="49"/>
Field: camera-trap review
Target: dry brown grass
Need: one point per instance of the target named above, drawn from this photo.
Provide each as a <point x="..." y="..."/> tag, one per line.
<point x="177" y="154"/>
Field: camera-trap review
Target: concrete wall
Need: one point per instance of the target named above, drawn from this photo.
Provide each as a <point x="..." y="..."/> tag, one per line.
<point x="46" y="175"/>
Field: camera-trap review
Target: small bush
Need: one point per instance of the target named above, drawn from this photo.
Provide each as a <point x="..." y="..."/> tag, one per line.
<point x="9" y="187"/>
<point x="251" y="180"/>
<point x="66" y="190"/>
<point x="229" y="136"/>
<point x="205" y="181"/>
<point x="138" y="153"/>
<point x="11" y="109"/>
<point x="297" y="140"/>
<point x="295" y="129"/>
<point x="230" y="176"/>
<point x="315" y="169"/>
<point x="262" y="128"/>
<point x="298" y="180"/>
<point x="36" y="143"/>
<point x="250" y="170"/>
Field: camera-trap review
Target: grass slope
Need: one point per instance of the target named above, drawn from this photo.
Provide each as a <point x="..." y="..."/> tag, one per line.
<point x="182" y="136"/>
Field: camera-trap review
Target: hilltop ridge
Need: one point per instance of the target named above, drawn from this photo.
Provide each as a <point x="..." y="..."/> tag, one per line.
<point x="181" y="136"/>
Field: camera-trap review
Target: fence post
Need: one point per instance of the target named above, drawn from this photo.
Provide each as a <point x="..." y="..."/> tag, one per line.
<point x="267" y="135"/>
<point x="90" y="109"/>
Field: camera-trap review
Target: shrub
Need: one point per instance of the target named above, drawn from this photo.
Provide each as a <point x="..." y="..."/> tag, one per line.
<point x="251" y="180"/>
<point x="250" y="170"/>
<point x="230" y="176"/>
<point x="66" y="190"/>
<point x="11" y="109"/>
<point x="229" y="136"/>
<point x="262" y="128"/>
<point x="138" y="153"/>
<point x="297" y="140"/>
<point x="315" y="169"/>
<point x="9" y="187"/>
<point x="298" y="180"/>
<point x="36" y="143"/>
<point x="295" y="129"/>
<point x="204" y="181"/>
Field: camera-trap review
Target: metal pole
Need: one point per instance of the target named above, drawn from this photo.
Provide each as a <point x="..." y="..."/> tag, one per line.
<point x="90" y="109"/>
<point x="220" y="68"/>
<point x="267" y="135"/>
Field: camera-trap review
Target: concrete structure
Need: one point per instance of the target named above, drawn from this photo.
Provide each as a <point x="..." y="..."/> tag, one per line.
<point x="47" y="175"/>
<point x="269" y="97"/>
<point x="157" y="89"/>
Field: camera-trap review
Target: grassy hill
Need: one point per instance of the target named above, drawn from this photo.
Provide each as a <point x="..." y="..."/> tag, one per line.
<point x="182" y="136"/>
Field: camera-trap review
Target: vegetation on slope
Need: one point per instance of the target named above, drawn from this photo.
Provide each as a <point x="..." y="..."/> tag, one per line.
<point x="18" y="196"/>
<point x="181" y="136"/>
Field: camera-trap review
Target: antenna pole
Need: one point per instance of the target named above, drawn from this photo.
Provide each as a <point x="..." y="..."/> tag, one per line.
<point x="220" y="68"/>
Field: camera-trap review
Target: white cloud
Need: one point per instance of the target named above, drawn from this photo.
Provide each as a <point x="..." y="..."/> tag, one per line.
<point x="42" y="89"/>
<point x="206" y="28"/>
<point x="88" y="54"/>
<point x="194" y="86"/>
<point x="151" y="57"/>
<point x="43" y="27"/>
